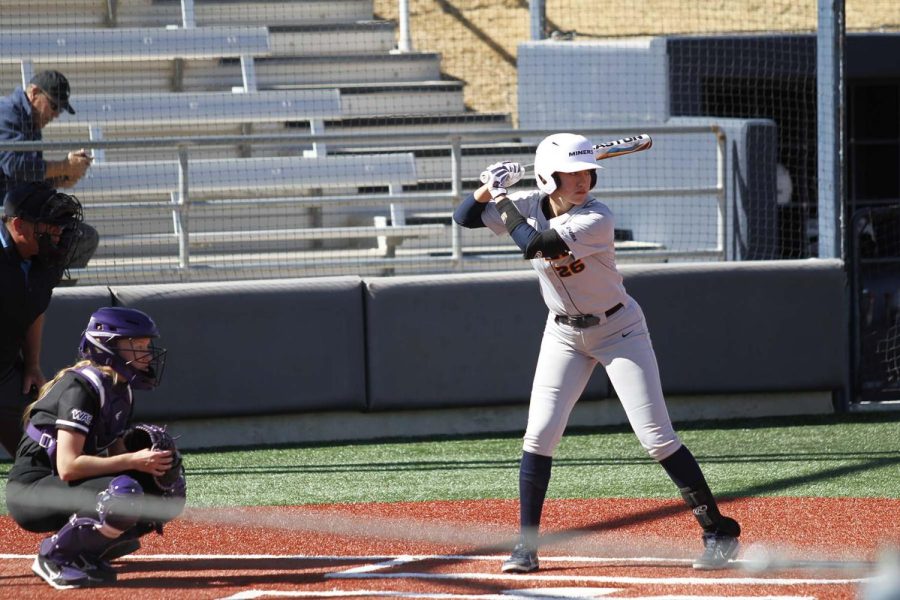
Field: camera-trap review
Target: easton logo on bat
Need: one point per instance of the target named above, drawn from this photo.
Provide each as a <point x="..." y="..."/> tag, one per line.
<point x="627" y="145"/>
<point x="637" y="138"/>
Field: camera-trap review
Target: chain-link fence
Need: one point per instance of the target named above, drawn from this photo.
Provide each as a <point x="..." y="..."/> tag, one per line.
<point x="875" y="272"/>
<point x="245" y="139"/>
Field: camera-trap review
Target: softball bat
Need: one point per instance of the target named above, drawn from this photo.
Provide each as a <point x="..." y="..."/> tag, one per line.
<point x="629" y="145"/>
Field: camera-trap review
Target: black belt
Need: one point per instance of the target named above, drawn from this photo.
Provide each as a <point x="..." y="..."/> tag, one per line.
<point x="585" y="321"/>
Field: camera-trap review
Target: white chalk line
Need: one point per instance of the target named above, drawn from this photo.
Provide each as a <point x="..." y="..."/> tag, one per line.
<point x="604" y="579"/>
<point x="376" y="563"/>
<point x="526" y="594"/>
<point x="382" y="562"/>
<point x="651" y="561"/>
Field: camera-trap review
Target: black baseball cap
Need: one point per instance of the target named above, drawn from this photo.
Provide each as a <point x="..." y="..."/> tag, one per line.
<point x="31" y="201"/>
<point x="55" y="85"/>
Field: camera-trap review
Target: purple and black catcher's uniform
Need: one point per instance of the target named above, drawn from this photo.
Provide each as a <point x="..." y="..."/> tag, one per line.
<point x="85" y="401"/>
<point x="96" y="518"/>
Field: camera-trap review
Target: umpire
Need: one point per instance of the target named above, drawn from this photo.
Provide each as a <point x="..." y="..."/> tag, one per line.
<point x="39" y="231"/>
<point x="23" y="116"/>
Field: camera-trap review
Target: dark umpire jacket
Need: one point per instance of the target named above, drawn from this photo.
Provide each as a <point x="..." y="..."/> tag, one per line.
<point x="25" y="290"/>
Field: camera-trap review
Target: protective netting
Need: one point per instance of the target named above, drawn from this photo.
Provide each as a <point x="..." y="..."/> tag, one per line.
<point x="876" y="266"/>
<point x="415" y="108"/>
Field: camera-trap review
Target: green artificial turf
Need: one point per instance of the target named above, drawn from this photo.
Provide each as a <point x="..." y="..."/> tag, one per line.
<point x="830" y="456"/>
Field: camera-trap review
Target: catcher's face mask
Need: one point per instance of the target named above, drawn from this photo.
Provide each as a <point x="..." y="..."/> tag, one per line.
<point x="143" y="356"/>
<point x="143" y="359"/>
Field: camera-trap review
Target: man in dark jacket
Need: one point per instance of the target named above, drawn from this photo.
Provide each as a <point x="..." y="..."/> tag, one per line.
<point x="23" y="114"/>
<point x="38" y="234"/>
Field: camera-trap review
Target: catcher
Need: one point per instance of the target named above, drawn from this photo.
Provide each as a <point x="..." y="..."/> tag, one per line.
<point x="83" y="469"/>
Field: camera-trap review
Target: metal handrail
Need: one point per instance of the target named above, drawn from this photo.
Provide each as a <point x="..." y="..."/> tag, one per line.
<point x="359" y="139"/>
<point x="181" y="200"/>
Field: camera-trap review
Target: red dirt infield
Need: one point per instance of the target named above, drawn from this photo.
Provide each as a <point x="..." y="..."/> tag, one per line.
<point x="613" y="548"/>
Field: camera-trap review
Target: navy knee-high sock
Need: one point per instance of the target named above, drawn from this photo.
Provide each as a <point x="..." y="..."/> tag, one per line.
<point x="684" y="471"/>
<point x="534" y="477"/>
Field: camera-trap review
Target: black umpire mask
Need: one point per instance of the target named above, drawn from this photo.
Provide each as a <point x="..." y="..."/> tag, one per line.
<point x="63" y="211"/>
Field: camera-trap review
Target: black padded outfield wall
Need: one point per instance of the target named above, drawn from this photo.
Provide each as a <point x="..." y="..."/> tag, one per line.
<point x="716" y="327"/>
<point x="262" y="347"/>
<point x="765" y="326"/>
<point x="351" y="344"/>
<point x="464" y="340"/>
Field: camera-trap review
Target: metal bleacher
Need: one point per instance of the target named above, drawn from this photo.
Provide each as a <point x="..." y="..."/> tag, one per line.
<point x="111" y="116"/>
<point x="145" y="68"/>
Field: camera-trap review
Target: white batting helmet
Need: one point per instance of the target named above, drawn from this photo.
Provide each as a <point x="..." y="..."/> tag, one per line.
<point x="563" y="153"/>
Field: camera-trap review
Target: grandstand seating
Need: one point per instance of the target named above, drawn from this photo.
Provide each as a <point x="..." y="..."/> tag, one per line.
<point x="118" y="47"/>
<point x="99" y="45"/>
<point x="249" y="175"/>
<point x="221" y="225"/>
<point x="136" y="110"/>
<point x="130" y="115"/>
<point x="139" y="70"/>
<point x="251" y="12"/>
<point x="311" y="44"/>
<point x="32" y="14"/>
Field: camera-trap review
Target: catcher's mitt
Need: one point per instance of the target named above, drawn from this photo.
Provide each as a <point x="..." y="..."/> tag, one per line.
<point x="147" y="435"/>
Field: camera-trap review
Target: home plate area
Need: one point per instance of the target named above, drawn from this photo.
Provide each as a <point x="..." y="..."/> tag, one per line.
<point x="451" y="577"/>
<point x="621" y="548"/>
<point x="476" y="577"/>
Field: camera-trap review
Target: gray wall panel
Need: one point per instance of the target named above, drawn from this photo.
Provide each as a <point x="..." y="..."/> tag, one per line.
<point x="746" y="327"/>
<point x="458" y="340"/>
<point x="255" y="347"/>
<point x="65" y="320"/>
<point x="275" y="347"/>
<point x="716" y="327"/>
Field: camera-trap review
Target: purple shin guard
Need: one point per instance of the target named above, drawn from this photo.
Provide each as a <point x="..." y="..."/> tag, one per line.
<point x="118" y="509"/>
<point x="80" y="536"/>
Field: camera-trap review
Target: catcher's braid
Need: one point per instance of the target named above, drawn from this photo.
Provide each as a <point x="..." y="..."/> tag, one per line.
<point x="147" y="435"/>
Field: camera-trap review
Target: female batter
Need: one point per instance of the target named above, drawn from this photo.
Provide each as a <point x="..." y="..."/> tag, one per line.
<point x="568" y="237"/>
<point x="74" y="472"/>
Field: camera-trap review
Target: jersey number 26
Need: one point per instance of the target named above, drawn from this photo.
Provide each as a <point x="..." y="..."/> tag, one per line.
<point x="569" y="269"/>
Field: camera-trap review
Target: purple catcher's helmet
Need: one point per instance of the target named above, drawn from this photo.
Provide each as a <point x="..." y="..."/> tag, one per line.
<point x="110" y="324"/>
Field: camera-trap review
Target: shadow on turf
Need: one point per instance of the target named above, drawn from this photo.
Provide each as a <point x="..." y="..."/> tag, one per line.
<point x="193" y="579"/>
<point x="237" y="563"/>
<point x="181" y="574"/>
<point x="768" y="488"/>
<point x="888" y="457"/>
<point x="186" y="574"/>
<point x="723" y="425"/>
